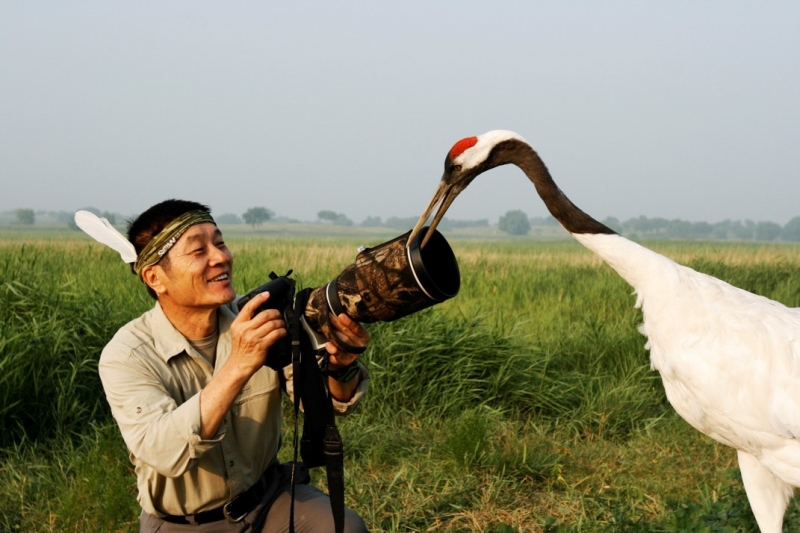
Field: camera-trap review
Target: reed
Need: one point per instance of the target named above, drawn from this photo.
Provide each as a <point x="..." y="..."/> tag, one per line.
<point x="526" y="403"/>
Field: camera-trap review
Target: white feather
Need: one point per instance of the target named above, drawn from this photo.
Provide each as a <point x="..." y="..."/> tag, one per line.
<point x="102" y="231"/>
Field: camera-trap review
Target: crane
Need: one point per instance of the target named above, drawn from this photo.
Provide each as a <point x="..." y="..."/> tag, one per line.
<point x="729" y="359"/>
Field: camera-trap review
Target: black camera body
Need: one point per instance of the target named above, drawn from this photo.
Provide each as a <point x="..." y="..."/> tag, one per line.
<point x="281" y="294"/>
<point x="280" y="289"/>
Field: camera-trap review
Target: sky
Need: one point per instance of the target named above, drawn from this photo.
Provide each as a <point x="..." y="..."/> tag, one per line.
<point x="683" y="110"/>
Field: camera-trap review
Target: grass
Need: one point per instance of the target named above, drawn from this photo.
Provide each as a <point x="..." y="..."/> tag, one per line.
<point x="526" y="403"/>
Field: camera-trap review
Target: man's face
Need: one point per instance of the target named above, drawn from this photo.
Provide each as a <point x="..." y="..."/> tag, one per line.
<point x="199" y="270"/>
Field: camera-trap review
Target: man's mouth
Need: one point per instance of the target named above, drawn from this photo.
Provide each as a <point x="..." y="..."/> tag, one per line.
<point x="221" y="277"/>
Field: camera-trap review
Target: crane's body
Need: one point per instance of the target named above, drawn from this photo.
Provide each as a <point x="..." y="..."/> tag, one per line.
<point x="729" y="359"/>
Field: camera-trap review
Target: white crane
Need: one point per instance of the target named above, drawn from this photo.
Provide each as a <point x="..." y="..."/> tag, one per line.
<point x="729" y="359"/>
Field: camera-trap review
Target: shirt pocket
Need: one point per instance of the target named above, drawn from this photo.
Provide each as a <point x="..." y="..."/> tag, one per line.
<point x="259" y="388"/>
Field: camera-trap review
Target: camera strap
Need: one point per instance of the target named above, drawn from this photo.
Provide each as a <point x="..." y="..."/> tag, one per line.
<point x="321" y="443"/>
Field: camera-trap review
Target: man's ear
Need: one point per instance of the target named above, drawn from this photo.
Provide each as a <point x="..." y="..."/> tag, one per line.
<point x="153" y="276"/>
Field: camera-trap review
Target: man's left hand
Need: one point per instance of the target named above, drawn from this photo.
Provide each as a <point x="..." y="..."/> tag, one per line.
<point x="351" y="333"/>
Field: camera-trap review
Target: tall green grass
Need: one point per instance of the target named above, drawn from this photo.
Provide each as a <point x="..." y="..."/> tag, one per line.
<point x="526" y="403"/>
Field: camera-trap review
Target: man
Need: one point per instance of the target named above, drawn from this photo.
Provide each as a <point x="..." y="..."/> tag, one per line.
<point x="197" y="408"/>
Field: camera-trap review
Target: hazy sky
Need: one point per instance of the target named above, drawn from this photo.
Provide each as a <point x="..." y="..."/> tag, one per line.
<point x="684" y="110"/>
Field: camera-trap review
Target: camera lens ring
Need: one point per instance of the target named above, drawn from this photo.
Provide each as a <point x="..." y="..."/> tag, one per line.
<point x="434" y="267"/>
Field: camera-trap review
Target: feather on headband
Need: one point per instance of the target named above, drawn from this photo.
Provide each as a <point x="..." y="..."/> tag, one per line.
<point x="103" y="232"/>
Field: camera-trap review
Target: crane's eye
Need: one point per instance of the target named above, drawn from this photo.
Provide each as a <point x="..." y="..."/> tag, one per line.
<point x="455" y="168"/>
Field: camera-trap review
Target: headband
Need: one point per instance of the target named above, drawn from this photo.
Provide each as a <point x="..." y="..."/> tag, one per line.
<point x="159" y="245"/>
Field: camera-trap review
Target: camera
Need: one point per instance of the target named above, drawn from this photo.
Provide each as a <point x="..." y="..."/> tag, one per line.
<point x="280" y="289"/>
<point x="384" y="283"/>
<point x="281" y="293"/>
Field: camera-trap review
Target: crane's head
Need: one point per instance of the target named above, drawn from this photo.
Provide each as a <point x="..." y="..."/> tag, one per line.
<point x="467" y="159"/>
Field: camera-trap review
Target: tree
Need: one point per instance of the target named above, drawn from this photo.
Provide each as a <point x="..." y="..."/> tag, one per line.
<point x="328" y="215"/>
<point x="400" y="223"/>
<point x="639" y="225"/>
<point x="228" y="218"/>
<point x="26" y="217"/>
<point x="613" y="223"/>
<point x="659" y="224"/>
<point x="547" y="220"/>
<point x="720" y="229"/>
<point x="791" y="231"/>
<point x="257" y="215"/>
<point x="515" y="223"/>
<point x="767" y="231"/>
<point x="336" y="218"/>
<point x="679" y="229"/>
<point x="701" y="229"/>
<point x="371" y="222"/>
<point x="743" y="231"/>
<point x="449" y="223"/>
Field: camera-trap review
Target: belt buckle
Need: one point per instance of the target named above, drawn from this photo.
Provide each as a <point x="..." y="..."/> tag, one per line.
<point x="226" y="512"/>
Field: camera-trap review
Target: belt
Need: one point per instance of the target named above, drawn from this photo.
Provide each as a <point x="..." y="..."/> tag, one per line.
<point x="233" y="511"/>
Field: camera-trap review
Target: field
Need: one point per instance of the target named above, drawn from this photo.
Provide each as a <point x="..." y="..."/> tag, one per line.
<point x="526" y="403"/>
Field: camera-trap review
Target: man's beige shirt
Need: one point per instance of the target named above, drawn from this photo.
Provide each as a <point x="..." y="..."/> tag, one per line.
<point x="152" y="378"/>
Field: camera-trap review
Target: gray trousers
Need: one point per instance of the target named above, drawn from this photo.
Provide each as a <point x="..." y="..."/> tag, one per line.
<point x="312" y="513"/>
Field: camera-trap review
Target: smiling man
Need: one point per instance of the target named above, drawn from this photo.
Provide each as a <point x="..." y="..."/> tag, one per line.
<point x="197" y="408"/>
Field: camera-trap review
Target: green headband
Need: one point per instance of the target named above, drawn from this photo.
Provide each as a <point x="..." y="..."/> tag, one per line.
<point x="158" y="247"/>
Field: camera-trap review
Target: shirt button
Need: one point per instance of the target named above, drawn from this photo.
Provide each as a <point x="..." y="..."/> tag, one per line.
<point x="230" y="464"/>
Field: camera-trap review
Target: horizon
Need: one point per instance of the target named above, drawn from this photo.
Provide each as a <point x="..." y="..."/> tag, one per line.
<point x="546" y="219"/>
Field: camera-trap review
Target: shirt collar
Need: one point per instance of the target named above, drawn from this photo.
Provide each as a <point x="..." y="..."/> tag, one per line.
<point x="169" y="342"/>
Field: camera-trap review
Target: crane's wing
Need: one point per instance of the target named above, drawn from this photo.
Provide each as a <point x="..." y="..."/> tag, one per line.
<point x="730" y="359"/>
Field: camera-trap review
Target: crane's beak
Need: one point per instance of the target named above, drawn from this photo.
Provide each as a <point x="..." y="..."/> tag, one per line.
<point x="443" y="196"/>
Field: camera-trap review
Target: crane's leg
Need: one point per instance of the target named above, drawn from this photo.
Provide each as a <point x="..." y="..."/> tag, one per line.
<point x="767" y="494"/>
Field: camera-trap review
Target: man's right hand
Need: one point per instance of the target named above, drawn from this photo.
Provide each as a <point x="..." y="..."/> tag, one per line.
<point x="251" y="337"/>
<point x="252" y="334"/>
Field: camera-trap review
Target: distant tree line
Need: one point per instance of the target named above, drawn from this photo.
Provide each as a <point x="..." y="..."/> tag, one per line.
<point x="258" y="215"/>
<point x="517" y="223"/>
<point x="741" y="230"/>
<point x="26" y="217"/>
<point x="514" y="222"/>
<point x="410" y="222"/>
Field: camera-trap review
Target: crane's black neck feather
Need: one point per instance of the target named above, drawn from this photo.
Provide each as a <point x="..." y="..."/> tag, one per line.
<point x="518" y="153"/>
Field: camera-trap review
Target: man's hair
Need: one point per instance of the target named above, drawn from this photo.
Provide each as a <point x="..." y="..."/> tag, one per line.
<point x="150" y="223"/>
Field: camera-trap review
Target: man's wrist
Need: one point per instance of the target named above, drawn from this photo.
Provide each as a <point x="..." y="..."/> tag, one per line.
<point x="345" y="373"/>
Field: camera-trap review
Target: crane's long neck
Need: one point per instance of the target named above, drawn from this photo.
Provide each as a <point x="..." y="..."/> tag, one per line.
<point x="568" y="214"/>
<point x="630" y="260"/>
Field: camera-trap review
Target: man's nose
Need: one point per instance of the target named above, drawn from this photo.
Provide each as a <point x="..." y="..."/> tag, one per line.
<point x="218" y="256"/>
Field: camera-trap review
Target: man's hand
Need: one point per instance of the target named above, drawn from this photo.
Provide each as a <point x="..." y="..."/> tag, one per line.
<point x="251" y="338"/>
<point x="353" y="334"/>
<point x="350" y="332"/>
<point x="253" y="334"/>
